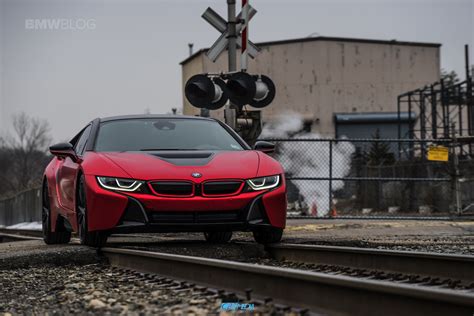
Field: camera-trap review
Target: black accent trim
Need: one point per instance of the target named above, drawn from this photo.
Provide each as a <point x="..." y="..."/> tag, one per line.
<point x="134" y="213"/>
<point x="221" y="187"/>
<point x="250" y="218"/>
<point x="257" y="213"/>
<point x="93" y="135"/>
<point x="152" y="116"/>
<point x="185" y="158"/>
<point x="174" y="188"/>
<point x="186" y="217"/>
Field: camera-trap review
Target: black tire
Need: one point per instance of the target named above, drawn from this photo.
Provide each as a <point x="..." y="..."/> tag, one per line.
<point x="268" y="236"/>
<point x="92" y="239"/>
<point x="61" y="235"/>
<point x="218" y="237"/>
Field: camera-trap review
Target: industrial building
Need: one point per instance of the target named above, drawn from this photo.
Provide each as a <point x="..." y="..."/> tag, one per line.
<point x="341" y="86"/>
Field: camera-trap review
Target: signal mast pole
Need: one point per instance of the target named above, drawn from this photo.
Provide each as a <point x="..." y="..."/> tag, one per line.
<point x="229" y="112"/>
<point x="245" y="36"/>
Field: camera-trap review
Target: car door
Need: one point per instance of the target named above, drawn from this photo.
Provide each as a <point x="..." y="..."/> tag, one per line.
<point x="67" y="174"/>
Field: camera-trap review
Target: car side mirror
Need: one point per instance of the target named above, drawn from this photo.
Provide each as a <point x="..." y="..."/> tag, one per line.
<point x="63" y="150"/>
<point x="264" y="146"/>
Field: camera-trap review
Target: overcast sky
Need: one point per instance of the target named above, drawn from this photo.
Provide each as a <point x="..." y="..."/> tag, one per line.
<point x="122" y="56"/>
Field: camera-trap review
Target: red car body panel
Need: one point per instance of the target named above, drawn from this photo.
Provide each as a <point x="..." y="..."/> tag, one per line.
<point x="224" y="165"/>
<point x="106" y="208"/>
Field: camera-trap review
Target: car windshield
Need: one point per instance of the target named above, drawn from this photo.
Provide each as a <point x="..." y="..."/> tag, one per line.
<point x="164" y="134"/>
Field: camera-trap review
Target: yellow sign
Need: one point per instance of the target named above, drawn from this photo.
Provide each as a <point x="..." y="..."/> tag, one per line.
<point x="438" y="153"/>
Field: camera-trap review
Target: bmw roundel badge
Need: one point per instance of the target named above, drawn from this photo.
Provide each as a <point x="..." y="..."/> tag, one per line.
<point x="196" y="175"/>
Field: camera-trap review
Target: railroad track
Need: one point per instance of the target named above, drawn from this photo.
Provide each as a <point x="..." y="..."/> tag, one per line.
<point x="449" y="266"/>
<point x="22" y="232"/>
<point x="304" y="289"/>
<point x="330" y="288"/>
<point x="16" y="237"/>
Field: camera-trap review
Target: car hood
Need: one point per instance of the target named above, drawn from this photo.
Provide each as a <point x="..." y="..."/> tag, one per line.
<point x="174" y="165"/>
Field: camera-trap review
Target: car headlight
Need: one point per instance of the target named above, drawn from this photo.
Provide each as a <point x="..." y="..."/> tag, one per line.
<point x="264" y="183"/>
<point x="117" y="184"/>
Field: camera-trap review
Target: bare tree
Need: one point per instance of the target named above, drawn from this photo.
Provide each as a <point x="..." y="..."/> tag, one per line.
<point x="450" y="77"/>
<point x="24" y="152"/>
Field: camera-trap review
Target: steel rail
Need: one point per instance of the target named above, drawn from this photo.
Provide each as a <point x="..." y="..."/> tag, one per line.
<point x="316" y="291"/>
<point x="458" y="267"/>
<point x="382" y="217"/>
<point x="15" y="237"/>
<point x="22" y="232"/>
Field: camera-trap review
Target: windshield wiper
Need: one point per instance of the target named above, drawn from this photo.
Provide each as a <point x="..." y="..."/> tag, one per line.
<point x="166" y="149"/>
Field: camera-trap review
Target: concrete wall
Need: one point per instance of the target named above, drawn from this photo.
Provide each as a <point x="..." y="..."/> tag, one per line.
<point x="319" y="78"/>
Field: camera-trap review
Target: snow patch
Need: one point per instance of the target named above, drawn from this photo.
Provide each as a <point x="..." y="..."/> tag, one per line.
<point x="27" y="226"/>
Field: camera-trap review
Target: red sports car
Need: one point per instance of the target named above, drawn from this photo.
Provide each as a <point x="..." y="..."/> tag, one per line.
<point x="162" y="174"/>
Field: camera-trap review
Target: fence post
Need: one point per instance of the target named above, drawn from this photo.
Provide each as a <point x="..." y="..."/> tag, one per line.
<point x="457" y="185"/>
<point x="330" y="175"/>
<point x="456" y="173"/>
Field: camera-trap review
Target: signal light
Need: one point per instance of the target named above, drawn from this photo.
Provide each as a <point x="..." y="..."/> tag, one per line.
<point x="204" y="92"/>
<point x="265" y="92"/>
<point x="241" y="88"/>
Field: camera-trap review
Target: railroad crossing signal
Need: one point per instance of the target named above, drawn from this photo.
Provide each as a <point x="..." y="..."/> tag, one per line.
<point x="255" y="90"/>
<point x="212" y="92"/>
<point x="204" y="92"/>
<point x="220" y="24"/>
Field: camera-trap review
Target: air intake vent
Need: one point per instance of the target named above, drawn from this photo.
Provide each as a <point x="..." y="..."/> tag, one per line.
<point x="182" y="155"/>
<point x="185" y="158"/>
<point x="221" y="187"/>
<point x="196" y="217"/>
<point x="173" y="188"/>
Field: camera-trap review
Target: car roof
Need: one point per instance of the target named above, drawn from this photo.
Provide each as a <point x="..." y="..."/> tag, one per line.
<point x="153" y="116"/>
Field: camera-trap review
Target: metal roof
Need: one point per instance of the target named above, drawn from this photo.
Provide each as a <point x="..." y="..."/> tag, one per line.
<point x="326" y="39"/>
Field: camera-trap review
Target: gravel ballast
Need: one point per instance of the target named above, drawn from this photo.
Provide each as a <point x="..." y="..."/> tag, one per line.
<point x="72" y="279"/>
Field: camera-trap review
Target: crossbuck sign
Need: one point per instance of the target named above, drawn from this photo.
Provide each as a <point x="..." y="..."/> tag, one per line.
<point x="220" y="24"/>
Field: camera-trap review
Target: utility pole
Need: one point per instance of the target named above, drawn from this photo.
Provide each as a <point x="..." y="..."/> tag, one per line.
<point x="229" y="110"/>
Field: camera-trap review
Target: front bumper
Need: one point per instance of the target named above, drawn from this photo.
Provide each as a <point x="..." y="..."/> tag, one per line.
<point x="137" y="213"/>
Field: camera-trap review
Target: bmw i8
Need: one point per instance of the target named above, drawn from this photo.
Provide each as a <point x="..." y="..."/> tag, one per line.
<point x="139" y="174"/>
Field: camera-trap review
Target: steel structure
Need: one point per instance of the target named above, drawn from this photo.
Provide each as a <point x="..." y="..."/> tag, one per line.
<point x="439" y="108"/>
<point x="442" y="110"/>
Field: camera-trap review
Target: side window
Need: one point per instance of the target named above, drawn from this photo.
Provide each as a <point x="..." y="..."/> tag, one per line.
<point x="82" y="141"/>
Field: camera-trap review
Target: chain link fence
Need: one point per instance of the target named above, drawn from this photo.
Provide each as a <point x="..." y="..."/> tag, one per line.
<point x="329" y="177"/>
<point x="347" y="177"/>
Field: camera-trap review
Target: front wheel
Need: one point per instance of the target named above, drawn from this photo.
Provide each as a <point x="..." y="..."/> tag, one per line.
<point x="218" y="237"/>
<point x="93" y="239"/>
<point x="268" y="236"/>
